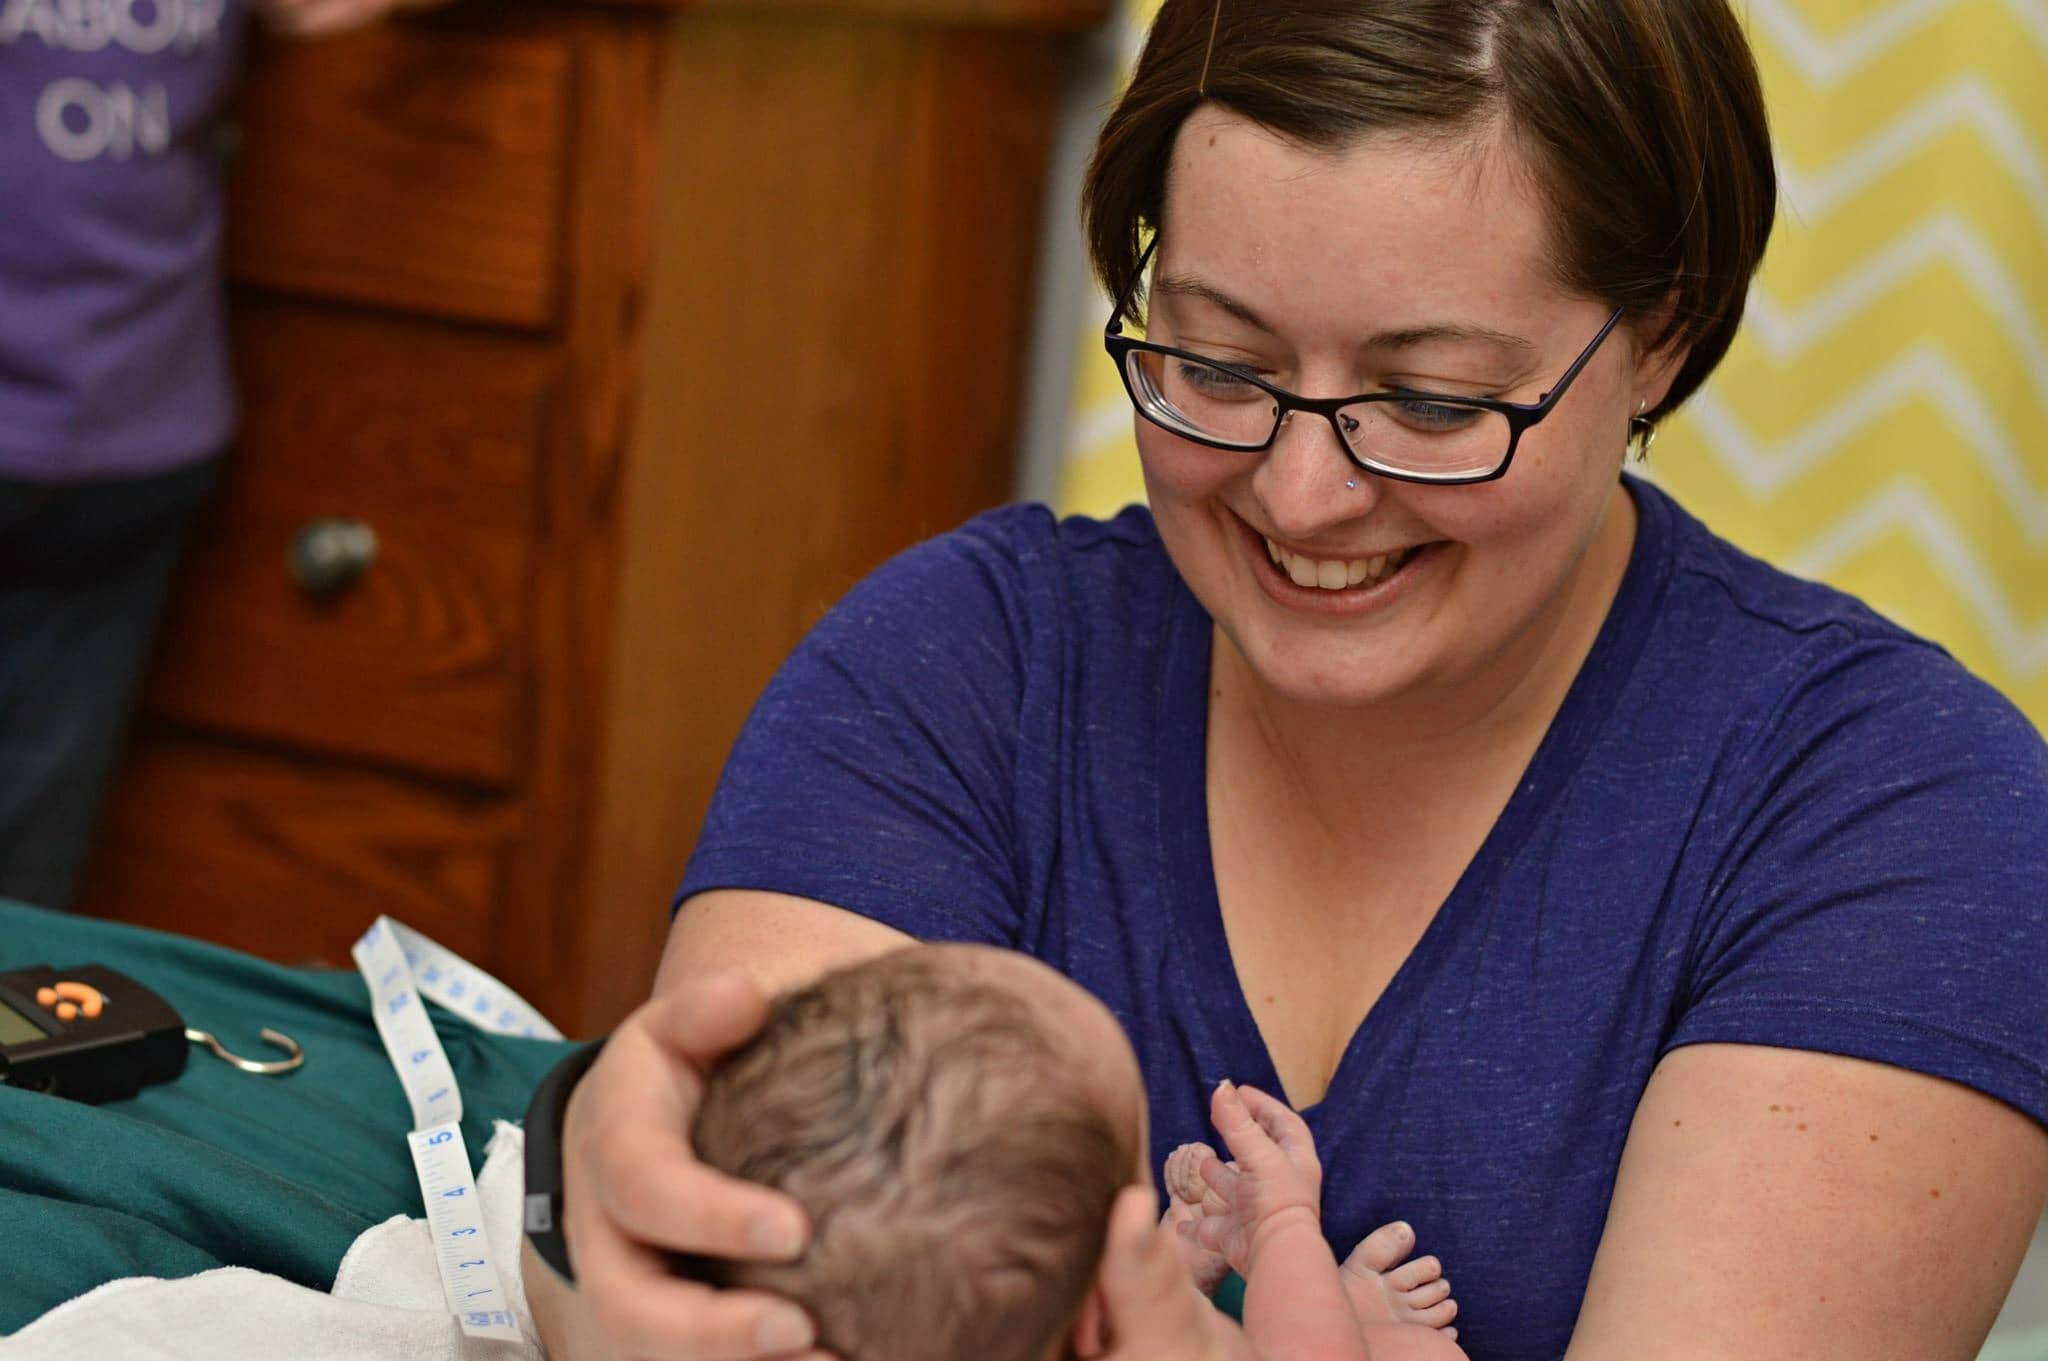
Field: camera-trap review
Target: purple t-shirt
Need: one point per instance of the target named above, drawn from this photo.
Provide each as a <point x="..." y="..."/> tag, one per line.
<point x="113" y="342"/>
<point x="1762" y="815"/>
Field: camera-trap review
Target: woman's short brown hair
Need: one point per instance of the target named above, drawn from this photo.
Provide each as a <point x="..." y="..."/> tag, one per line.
<point x="1643" y="119"/>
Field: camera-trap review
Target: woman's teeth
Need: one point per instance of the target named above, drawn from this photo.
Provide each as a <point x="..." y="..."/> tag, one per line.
<point x="1335" y="574"/>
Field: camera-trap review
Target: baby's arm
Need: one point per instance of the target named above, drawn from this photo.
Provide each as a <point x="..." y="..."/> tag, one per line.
<point x="1270" y="1230"/>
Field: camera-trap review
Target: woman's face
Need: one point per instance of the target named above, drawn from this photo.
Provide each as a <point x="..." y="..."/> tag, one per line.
<point x="1337" y="273"/>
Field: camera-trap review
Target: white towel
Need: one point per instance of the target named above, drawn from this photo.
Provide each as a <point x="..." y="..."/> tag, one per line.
<point x="386" y="1302"/>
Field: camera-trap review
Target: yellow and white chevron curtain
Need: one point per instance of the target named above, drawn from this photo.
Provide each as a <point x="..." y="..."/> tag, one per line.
<point x="1882" y="420"/>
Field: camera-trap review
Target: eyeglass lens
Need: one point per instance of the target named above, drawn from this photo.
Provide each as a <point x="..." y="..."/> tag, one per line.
<point x="1425" y="437"/>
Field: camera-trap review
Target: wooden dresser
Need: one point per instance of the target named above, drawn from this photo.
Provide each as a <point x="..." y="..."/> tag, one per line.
<point x="629" y="336"/>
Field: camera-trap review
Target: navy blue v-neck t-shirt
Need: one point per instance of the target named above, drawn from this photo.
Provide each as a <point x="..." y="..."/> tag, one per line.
<point x="1762" y="815"/>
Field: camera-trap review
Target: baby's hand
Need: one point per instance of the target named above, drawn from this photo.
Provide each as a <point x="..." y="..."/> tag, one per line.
<point x="1189" y="1201"/>
<point x="1275" y="1175"/>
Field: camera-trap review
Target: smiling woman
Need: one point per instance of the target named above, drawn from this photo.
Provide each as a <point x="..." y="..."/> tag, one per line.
<point x="1630" y="918"/>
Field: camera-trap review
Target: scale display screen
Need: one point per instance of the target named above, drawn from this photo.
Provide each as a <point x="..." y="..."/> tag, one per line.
<point x="16" y="1028"/>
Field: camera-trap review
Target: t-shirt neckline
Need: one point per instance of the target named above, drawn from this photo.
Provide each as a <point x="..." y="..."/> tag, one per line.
<point x="1187" y="868"/>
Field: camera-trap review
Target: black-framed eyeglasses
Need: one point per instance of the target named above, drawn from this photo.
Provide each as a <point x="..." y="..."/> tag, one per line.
<point x="1401" y="433"/>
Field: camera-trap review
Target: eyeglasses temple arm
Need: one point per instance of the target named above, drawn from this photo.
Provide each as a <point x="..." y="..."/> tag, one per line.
<point x="1117" y="310"/>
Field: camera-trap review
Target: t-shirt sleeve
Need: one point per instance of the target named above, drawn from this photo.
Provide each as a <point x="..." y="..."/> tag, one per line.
<point x="1884" y="889"/>
<point x="878" y="771"/>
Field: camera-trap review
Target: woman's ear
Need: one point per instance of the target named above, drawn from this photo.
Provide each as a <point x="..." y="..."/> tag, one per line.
<point x="1655" y="369"/>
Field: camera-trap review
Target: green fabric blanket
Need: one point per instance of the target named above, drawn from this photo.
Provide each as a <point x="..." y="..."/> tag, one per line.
<point x="220" y="1167"/>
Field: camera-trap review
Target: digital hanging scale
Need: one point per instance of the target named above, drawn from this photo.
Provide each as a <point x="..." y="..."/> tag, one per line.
<point x="91" y="1034"/>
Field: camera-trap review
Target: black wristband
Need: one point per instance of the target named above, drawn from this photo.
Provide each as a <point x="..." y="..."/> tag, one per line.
<point x="544" y="1158"/>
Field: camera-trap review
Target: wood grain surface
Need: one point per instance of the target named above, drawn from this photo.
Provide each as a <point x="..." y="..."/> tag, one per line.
<point x="431" y="436"/>
<point x="292" y="859"/>
<point x="839" y="310"/>
<point x="418" y="165"/>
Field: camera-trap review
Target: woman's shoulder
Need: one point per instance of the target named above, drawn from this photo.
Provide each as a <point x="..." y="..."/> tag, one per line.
<point x="1031" y="566"/>
<point x="1033" y="536"/>
<point x="1773" y="598"/>
<point x="1789" y="653"/>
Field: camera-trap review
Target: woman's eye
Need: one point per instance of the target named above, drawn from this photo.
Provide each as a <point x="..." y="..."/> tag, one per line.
<point x="1421" y="414"/>
<point x="1215" y="382"/>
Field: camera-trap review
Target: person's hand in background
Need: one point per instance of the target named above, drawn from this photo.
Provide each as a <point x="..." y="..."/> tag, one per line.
<point x="324" y="18"/>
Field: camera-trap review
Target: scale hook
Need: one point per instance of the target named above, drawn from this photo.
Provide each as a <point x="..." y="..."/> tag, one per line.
<point x="284" y="1042"/>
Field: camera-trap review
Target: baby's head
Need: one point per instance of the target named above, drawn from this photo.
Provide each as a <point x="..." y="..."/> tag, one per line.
<point x="957" y="1121"/>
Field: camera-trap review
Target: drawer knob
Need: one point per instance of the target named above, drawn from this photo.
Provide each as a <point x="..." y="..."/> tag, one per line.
<point x="331" y="555"/>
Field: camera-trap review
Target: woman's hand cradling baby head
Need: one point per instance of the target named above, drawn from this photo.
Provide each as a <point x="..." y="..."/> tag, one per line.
<point x="634" y="1192"/>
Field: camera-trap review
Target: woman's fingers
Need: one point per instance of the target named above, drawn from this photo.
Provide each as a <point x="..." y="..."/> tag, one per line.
<point x="649" y="1314"/>
<point x="707" y="1018"/>
<point x="633" y="1191"/>
<point x="648" y="1185"/>
<point x="626" y="1150"/>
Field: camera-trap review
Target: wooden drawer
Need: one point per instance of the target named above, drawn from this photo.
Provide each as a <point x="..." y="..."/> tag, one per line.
<point x="430" y="436"/>
<point x="293" y="862"/>
<point x="452" y="141"/>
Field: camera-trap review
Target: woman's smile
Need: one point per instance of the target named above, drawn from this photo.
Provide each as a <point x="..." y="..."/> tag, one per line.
<point x="1329" y="582"/>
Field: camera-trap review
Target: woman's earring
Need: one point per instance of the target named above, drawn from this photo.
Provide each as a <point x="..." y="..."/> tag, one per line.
<point x="1642" y="433"/>
<point x="1351" y="484"/>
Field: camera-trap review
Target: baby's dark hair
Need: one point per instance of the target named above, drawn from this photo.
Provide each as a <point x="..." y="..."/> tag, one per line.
<point x="958" y="1168"/>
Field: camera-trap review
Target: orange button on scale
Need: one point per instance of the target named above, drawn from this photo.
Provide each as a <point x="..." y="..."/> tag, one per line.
<point x="68" y="999"/>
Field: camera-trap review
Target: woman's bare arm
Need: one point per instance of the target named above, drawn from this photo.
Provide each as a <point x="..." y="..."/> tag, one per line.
<point x="1808" y="1207"/>
<point x="778" y="941"/>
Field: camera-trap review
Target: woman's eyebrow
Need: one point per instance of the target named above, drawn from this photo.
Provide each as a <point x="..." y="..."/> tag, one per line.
<point x="1417" y="335"/>
<point x="1187" y="286"/>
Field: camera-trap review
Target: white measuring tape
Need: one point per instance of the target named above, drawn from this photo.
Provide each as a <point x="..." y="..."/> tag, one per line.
<point x="405" y="970"/>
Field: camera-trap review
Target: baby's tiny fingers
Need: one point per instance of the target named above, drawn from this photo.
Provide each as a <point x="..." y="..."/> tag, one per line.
<point x="1234" y="1122"/>
<point x="1278" y="1119"/>
<point x="1222" y="1184"/>
<point x="1184" y="1171"/>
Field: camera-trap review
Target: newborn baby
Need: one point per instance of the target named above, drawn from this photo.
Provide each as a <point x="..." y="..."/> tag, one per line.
<point x="958" y="1120"/>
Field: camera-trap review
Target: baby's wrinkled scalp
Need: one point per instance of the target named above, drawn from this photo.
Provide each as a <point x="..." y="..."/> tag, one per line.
<point x="956" y="1156"/>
